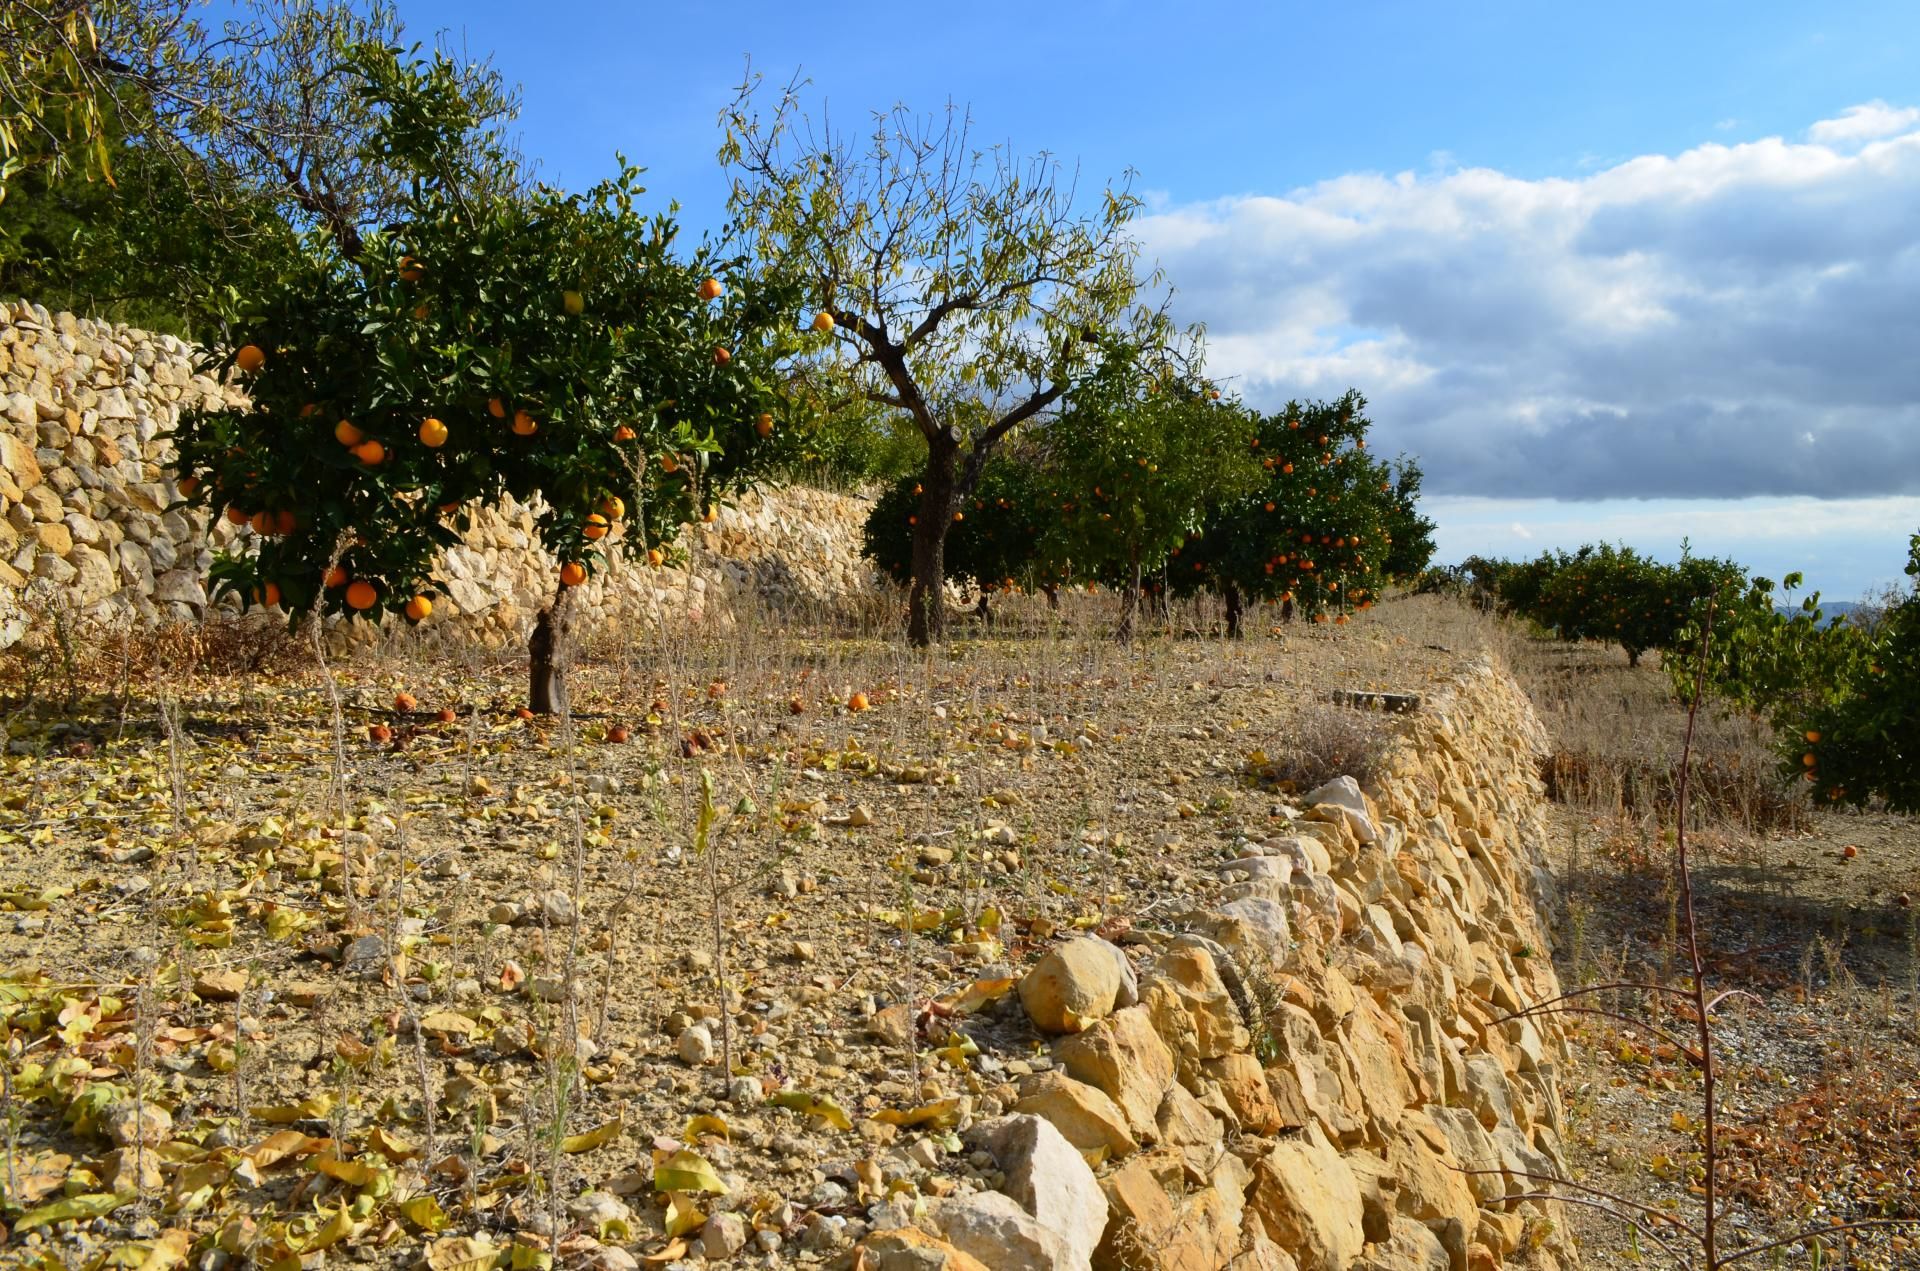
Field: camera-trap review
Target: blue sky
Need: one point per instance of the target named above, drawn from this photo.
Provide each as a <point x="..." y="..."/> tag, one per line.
<point x="1574" y="253"/>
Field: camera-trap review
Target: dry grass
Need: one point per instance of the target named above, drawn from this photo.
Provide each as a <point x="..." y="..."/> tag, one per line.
<point x="1025" y="777"/>
<point x="1816" y="1058"/>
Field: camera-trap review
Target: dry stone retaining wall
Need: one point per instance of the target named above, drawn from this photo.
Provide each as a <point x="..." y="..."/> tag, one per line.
<point x="87" y="509"/>
<point x="1322" y="1073"/>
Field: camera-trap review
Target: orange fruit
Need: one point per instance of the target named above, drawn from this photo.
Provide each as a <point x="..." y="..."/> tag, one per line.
<point x="370" y="452"/>
<point x="420" y="608"/>
<point x="669" y="464"/>
<point x="1850" y="851"/>
<point x="524" y="425"/>
<point x="596" y="526"/>
<point x="707" y="516"/>
<point x="188" y="485"/>
<point x="858" y="702"/>
<point x="764" y="425"/>
<point x="721" y="357"/>
<point x="309" y="410"/>
<point x="268" y="595"/>
<point x="410" y="270"/>
<point x="823" y="321"/>
<point x="623" y="433"/>
<point x="496" y="408"/>
<point x="262" y="522"/>
<point x="612" y="508"/>
<point x="285" y="522"/>
<point x="346" y="434"/>
<point x="336" y="577"/>
<point x="711" y="289"/>
<point x="420" y="313"/>
<point x="404" y="702"/>
<point x="446" y="715"/>
<point x="361" y="594"/>
<point x="573" y="302"/>
<point x="433" y="433"/>
<point x="1813" y="738"/>
<point x="379" y="734"/>
<point x="573" y="573"/>
<point x="250" y="358"/>
<point x="618" y="734"/>
<point x="654" y="557"/>
<point x="796" y="705"/>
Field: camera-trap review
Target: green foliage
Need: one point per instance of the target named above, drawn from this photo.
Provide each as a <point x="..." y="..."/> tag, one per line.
<point x="1315" y="529"/>
<point x="1615" y="594"/>
<point x="998" y="540"/>
<point x="1844" y="700"/>
<point x="481" y="310"/>
<point x="1142" y="451"/>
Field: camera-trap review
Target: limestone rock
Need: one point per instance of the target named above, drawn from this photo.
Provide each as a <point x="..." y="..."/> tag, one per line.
<point x="1071" y="986"/>
<point x="1050" y="1179"/>
<point x="1086" y="1116"/>
<point x="909" y="1249"/>
<point x="1308" y="1202"/>
<point x="1123" y="1057"/>
<point x="995" y="1229"/>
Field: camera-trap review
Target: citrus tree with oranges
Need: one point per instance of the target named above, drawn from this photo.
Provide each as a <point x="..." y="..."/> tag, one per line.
<point x="1144" y="449"/>
<point x="1842" y="697"/>
<point x="1312" y="534"/>
<point x="963" y="288"/>
<point x="555" y="348"/>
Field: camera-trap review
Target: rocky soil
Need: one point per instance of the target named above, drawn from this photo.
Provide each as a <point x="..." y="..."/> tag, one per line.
<point x="1054" y="956"/>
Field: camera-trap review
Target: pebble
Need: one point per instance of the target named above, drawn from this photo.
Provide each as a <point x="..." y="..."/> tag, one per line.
<point x="695" y="1045"/>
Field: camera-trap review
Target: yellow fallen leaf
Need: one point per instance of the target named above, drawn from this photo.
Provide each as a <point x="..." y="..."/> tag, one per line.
<point x="529" y="1257"/>
<point x="686" y="1171"/>
<point x="813" y="1105"/>
<point x="697" y="1126"/>
<point x="941" y="1114"/>
<point x="312" y="1108"/>
<point x="279" y="1145"/>
<point x="169" y="1249"/>
<point x="352" y="1173"/>
<point x="980" y="995"/>
<point x="683" y="1216"/>
<point x="68" y="1208"/>
<point x="599" y="1136"/>
<point x="424" y="1212"/>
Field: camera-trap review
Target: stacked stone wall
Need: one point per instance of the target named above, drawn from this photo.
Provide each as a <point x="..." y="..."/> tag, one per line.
<point x="90" y="514"/>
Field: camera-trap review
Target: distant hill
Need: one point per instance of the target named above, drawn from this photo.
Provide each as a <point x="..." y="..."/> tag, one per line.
<point x="1830" y="610"/>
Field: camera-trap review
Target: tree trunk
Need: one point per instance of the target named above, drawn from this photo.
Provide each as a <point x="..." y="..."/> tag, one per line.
<point x="1286" y="609"/>
<point x="1053" y="595"/>
<point x="1129" y="602"/>
<point x="1231" y="594"/>
<point x="547" y="658"/>
<point x="982" y="610"/>
<point x="926" y="599"/>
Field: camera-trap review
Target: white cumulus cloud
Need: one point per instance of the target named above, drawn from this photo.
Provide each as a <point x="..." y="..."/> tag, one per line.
<point x="1730" y="321"/>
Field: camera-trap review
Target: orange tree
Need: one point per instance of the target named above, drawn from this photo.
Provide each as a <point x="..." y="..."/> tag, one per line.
<point x="544" y="346"/>
<point x="999" y="539"/>
<point x="963" y="288"/>
<point x="1312" y="534"/>
<point x="1612" y="593"/>
<point x="1843" y="698"/>
<point x="1143" y="449"/>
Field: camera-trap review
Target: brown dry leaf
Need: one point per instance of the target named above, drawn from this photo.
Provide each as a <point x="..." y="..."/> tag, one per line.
<point x="674" y="1249"/>
<point x="462" y="1253"/>
<point x="281" y="1144"/>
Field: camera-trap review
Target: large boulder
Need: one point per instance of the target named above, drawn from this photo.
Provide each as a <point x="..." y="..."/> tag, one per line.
<point x="1073" y="985"/>
<point x="1050" y="1180"/>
